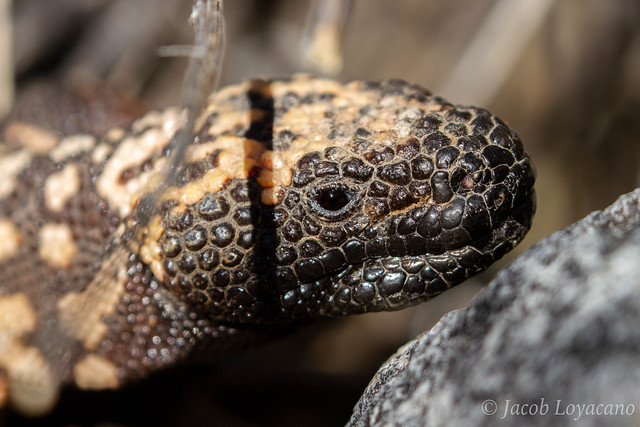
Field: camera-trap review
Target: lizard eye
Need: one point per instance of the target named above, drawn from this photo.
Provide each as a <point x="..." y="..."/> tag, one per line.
<point x="333" y="200"/>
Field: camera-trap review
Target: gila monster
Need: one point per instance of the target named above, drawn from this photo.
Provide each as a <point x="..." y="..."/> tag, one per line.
<point x="298" y="198"/>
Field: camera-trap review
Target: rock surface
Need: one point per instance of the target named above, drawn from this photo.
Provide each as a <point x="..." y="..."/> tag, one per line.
<point x="555" y="338"/>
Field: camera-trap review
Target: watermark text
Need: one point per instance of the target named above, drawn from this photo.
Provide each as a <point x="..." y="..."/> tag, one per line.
<point x="558" y="407"/>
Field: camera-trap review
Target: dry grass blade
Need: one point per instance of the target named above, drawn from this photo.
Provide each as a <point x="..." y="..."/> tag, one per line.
<point x="322" y="43"/>
<point x="200" y="80"/>
<point x="496" y="46"/>
<point x="6" y="58"/>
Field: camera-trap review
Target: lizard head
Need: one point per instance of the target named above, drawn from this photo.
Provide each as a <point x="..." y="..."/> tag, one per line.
<point x="398" y="224"/>
<point x="389" y="196"/>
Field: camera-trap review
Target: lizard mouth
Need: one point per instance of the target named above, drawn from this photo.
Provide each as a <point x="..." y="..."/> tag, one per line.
<point x="404" y="269"/>
<point x="393" y="281"/>
<point x="431" y="232"/>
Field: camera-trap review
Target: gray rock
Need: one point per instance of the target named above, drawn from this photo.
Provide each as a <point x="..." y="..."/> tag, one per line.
<point x="557" y="330"/>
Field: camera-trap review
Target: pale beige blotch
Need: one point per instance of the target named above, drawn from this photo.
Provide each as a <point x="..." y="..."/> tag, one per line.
<point x="213" y="180"/>
<point x="10" y="166"/>
<point x="168" y="121"/>
<point x="214" y="104"/>
<point x="80" y="313"/>
<point x="17" y="317"/>
<point x="131" y="153"/>
<point x="226" y="121"/>
<point x="238" y="157"/>
<point x="229" y="92"/>
<point x="401" y="129"/>
<point x="10" y="239"/>
<point x="56" y="245"/>
<point x="151" y="251"/>
<point x="33" y="390"/>
<point x="31" y="137"/>
<point x="29" y="382"/>
<point x="277" y="167"/>
<point x="114" y="134"/>
<point x="304" y="84"/>
<point x="95" y="373"/>
<point x="60" y="187"/>
<point x="272" y="196"/>
<point x="72" y="145"/>
<point x="100" y="153"/>
<point x="309" y="120"/>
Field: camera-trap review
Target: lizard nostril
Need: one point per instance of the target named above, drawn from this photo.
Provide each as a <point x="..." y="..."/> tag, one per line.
<point x="333" y="200"/>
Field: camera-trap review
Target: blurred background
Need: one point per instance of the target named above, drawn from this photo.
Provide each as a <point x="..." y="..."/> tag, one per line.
<point x="565" y="74"/>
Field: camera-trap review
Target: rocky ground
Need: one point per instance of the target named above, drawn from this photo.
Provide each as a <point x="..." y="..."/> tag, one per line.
<point x="553" y="339"/>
